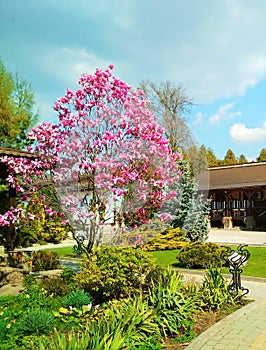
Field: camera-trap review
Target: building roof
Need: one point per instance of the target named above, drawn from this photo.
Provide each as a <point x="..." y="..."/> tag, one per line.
<point x="16" y="153"/>
<point x="233" y="176"/>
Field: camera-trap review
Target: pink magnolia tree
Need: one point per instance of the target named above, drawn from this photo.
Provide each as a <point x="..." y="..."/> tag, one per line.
<point x="107" y="160"/>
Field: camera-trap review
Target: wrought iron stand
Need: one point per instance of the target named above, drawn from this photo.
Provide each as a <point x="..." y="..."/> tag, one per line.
<point x="235" y="260"/>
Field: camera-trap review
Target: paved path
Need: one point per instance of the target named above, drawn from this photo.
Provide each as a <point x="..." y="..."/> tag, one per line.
<point x="244" y="329"/>
<point x="236" y="236"/>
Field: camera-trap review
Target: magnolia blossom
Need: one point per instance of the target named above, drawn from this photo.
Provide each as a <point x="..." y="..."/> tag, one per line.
<point x="107" y="147"/>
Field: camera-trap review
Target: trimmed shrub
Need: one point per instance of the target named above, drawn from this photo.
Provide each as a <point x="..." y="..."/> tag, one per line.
<point x="171" y="238"/>
<point x="114" y="273"/>
<point x="199" y="255"/>
<point x="141" y="235"/>
<point x="43" y="229"/>
<point x="56" y="286"/>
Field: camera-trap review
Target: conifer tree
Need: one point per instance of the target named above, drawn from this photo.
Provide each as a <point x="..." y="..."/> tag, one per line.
<point x="230" y="158"/>
<point x="242" y="159"/>
<point x="262" y="156"/>
<point x="192" y="210"/>
<point x="211" y="158"/>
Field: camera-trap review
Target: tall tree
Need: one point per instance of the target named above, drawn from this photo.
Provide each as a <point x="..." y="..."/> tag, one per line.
<point x="171" y="105"/>
<point x="107" y="157"/>
<point x="197" y="158"/>
<point x="262" y="156"/>
<point x="211" y="158"/>
<point x="242" y="159"/>
<point x="230" y="158"/>
<point x="192" y="209"/>
<point x="17" y="114"/>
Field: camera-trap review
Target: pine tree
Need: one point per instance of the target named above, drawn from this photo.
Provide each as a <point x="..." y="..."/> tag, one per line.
<point x="242" y="159"/>
<point x="192" y="210"/>
<point x="211" y="158"/>
<point x="262" y="156"/>
<point x="230" y="158"/>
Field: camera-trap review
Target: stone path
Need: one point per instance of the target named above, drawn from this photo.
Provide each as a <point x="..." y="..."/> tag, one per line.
<point x="244" y="329"/>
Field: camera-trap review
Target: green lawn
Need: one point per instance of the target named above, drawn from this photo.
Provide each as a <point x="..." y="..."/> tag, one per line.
<point x="256" y="266"/>
<point x="64" y="251"/>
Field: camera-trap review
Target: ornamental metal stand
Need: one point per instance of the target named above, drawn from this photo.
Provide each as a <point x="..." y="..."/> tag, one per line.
<point x="235" y="260"/>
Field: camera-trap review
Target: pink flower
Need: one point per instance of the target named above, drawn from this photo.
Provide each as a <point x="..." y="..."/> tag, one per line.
<point x="106" y="147"/>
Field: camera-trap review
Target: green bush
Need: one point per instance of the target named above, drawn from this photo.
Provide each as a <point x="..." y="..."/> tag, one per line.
<point x="36" y="322"/>
<point x="30" y="284"/>
<point x="45" y="260"/>
<point x="55" y="286"/>
<point x="171" y="238"/>
<point x="200" y="255"/>
<point x="114" y="273"/>
<point x="3" y="329"/>
<point x="77" y="298"/>
<point x="68" y="274"/>
<point x="44" y="229"/>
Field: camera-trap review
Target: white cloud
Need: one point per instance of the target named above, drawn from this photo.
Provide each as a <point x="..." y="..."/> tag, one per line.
<point x="223" y="114"/>
<point x="198" y="119"/>
<point x="215" y="49"/>
<point x="67" y="64"/>
<point x="242" y="134"/>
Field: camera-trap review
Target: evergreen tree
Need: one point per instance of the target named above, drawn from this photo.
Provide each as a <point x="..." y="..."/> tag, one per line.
<point x="262" y="156"/>
<point x="192" y="210"/>
<point x="211" y="158"/>
<point x="242" y="159"/>
<point x="230" y="158"/>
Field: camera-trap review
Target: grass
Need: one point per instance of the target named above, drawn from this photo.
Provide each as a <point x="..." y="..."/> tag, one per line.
<point x="256" y="263"/>
<point x="255" y="266"/>
<point x="64" y="251"/>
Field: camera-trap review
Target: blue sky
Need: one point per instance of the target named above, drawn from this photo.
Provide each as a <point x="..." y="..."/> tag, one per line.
<point x="215" y="49"/>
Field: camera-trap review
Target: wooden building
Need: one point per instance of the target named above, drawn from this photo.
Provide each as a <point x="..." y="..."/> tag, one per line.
<point x="238" y="194"/>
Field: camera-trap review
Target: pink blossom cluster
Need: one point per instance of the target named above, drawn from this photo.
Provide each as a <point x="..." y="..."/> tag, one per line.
<point x="12" y="216"/>
<point x="107" y="144"/>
